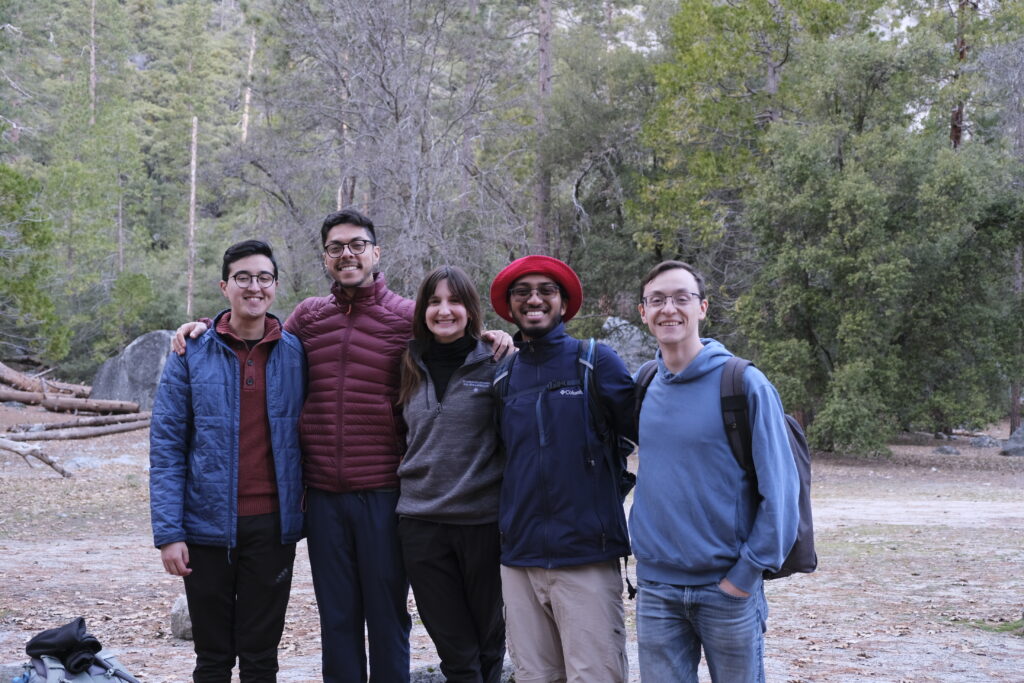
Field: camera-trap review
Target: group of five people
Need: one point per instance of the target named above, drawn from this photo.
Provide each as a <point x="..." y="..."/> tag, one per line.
<point x="389" y="433"/>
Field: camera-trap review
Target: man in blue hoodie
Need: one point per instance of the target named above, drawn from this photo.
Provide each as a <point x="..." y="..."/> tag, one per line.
<point x="704" y="532"/>
<point x="560" y="511"/>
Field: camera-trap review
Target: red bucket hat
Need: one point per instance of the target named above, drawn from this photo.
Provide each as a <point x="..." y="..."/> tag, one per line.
<point x="545" y="265"/>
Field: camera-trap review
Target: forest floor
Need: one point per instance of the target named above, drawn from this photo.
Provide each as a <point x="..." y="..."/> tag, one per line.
<point x="921" y="562"/>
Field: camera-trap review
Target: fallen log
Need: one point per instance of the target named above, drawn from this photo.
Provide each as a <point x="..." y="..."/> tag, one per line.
<point x="82" y="432"/>
<point x="25" y="450"/>
<point x="67" y="404"/>
<point x="30" y="397"/>
<point x="20" y="380"/>
<point x="91" y="421"/>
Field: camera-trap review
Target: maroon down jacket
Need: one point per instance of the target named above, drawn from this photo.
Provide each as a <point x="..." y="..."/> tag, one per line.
<point x="351" y="434"/>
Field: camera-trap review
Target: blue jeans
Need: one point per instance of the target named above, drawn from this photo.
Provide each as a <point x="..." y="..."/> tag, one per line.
<point x="673" y="623"/>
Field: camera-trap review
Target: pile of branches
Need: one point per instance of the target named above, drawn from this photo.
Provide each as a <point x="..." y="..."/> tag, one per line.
<point x="96" y="417"/>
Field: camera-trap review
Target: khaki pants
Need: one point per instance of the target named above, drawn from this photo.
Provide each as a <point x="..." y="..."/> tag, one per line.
<point x="566" y="624"/>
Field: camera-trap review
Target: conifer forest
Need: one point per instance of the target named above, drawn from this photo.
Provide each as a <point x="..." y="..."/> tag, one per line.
<point x="847" y="174"/>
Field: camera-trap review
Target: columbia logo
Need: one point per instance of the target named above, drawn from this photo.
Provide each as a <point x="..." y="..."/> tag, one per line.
<point x="571" y="392"/>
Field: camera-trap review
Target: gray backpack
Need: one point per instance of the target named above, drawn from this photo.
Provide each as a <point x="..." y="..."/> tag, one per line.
<point x="47" y="669"/>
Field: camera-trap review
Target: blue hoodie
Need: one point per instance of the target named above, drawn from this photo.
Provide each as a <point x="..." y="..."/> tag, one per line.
<point x="697" y="516"/>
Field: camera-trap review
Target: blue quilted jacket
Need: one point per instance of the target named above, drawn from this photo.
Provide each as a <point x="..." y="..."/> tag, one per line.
<point x="193" y="442"/>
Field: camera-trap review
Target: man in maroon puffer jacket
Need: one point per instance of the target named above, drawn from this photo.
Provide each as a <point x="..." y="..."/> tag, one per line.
<point x="352" y="441"/>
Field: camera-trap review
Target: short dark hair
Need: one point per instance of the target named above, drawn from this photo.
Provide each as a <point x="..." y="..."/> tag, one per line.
<point x="347" y="217"/>
<point x="247" y="248"/>
<point x="673" y="265"/>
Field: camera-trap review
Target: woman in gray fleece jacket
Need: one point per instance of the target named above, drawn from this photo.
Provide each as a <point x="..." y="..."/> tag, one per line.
<point x="450" y="478"/>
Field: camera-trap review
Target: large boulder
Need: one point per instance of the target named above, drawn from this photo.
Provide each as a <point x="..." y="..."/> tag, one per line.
<point x="1015" y="444"/>
<point x="633" y="344"/>
<point x="133" y="374"/>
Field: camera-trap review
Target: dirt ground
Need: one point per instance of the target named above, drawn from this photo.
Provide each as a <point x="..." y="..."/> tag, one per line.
<point x="920" y="556"/>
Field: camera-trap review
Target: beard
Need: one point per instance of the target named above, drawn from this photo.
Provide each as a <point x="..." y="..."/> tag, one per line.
<point x="536" y="332"/>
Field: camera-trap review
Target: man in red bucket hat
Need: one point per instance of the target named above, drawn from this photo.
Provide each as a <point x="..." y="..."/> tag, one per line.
<point x="561" y="519"/>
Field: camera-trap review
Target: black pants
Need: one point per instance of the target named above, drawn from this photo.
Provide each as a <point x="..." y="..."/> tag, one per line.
<point x="237" y="600"/>
<point x="455" y="575"/>
<point x="361" y="590"/>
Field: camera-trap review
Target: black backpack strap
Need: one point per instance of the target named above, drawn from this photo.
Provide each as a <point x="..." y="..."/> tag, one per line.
<point x="644" y="376"/>
<point x="112" y="671"/>
<point x="735" y="413"/>
<point x="499" y="386"/>
<point x="585" y="362"/>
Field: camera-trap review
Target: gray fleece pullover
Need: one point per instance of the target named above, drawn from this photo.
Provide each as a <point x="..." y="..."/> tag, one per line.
<point x="451" y="472"/>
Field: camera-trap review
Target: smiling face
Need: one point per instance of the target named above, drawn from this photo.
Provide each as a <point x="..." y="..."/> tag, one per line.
<point x="251" y="302"/>
<point x="536" y="315"/>
<point x="674" y="325"/>
<point x="446" y="315"/>
<point x="348" y="269"/>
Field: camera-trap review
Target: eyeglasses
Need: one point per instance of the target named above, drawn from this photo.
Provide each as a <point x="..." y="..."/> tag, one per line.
<point x="336" y="249"/>
<point x="263" y="279"/>
<point x="680" y="299"/>
<point x="523" y="292"/>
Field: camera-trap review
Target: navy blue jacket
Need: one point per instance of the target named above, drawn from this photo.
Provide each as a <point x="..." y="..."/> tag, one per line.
<point x="193" y="441"/>
<point x="560" y="501"/>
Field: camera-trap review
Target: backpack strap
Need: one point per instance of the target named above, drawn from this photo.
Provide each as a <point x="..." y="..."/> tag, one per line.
<point x="585" y="368"/>
<point x="644" y="376"/>
<point x="113" y="668"/>
<point x="54" y="669"/>
<point x="591" y="406"/>
<point x="735" y="413"/>
<point x="499" y="385"/>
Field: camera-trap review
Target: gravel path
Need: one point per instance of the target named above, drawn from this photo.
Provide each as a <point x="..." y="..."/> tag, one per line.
<point x="916" y="553"/>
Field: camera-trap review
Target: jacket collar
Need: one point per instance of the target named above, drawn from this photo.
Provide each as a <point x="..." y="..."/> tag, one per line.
<point x="556" y="337"/>
<point x="360" y="295"/>
<point x="221" y="332"/>
<point x="482" y="351"/>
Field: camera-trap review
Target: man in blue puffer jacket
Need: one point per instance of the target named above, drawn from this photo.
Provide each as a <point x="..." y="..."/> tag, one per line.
<point x="560" y="511"/>
<point x="226" y="475"/>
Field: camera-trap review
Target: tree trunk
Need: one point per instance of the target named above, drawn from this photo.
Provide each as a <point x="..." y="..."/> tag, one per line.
<point x="1015" y="384"/>
<point x="120" y="224"/>
<point x="17" y="429"/>
<point x="956" y="123"/>
<point x="192" y="220"/>
<point x="92" y="63"/>
<point x="247" y="97"/>
<point x="82" y="432"/>
<point x="542" y="182"/>
<point x="25" y="450"/>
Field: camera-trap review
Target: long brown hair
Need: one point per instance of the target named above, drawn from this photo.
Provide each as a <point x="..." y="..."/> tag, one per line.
<point x="461" y="286"/>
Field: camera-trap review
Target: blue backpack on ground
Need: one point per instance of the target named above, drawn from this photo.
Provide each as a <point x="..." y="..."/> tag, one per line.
<point x="802" y="558"/>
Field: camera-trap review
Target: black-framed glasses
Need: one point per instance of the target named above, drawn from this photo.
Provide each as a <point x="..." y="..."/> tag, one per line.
<point x="546" y="290"/>
<point x="263" y="279"/>
<point x="680" y="299"/>
<point x="336" y="249"/>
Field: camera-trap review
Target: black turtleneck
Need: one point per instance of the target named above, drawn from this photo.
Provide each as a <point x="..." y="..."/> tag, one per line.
<point x="442" y="360"/>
